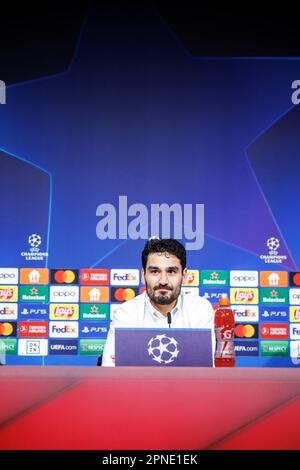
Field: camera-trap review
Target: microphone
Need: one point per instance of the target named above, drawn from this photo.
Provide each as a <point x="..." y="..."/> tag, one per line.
<point x="169" y="319"/>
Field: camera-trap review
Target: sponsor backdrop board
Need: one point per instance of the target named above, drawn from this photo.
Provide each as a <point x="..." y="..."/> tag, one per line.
<point x="66" y="321"/>
<point x="137" y="137"/>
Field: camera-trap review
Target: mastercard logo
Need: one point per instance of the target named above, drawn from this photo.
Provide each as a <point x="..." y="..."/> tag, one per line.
<point x="295" y="279"/>
<point x="64" y="276"/>
<point x="122" y="295"/>
<point x="246" y="331"/>
<point x="6" y="329"/>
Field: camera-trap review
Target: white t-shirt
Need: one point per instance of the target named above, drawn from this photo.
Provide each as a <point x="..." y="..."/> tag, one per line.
<point x="189" y="312"/>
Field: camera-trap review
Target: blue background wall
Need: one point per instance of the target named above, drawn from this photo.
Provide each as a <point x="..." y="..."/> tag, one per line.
<point x="135" y="114"/>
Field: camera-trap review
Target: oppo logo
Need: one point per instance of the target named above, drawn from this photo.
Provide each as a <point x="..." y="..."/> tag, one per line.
<point x="7" y="276"/>
<point x="64" y="294"/>
<point x="244" y="278"/>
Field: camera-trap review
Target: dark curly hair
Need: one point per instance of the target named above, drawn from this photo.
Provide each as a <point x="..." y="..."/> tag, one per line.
<point x="166" y="245"/>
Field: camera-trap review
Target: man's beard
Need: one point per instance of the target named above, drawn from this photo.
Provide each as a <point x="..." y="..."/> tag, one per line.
<point x="163" y="299"/>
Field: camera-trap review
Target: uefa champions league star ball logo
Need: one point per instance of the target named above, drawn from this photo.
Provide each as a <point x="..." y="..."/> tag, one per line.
<point x="273" y="244"/>
<point x="163" y="349"/>
<point x="34" y="253"/>
<point x="34" y="240"/>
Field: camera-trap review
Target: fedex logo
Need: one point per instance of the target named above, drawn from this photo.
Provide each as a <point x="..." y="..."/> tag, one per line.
<point x="245" y="313"/>
<point x="8" y="311"/>
<point x="294" y="331"/>
<point x="67" y="329"/>
<point x="124" y="277"/>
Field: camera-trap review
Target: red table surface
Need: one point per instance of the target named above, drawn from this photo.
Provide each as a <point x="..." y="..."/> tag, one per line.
<point x="148" y="408"/>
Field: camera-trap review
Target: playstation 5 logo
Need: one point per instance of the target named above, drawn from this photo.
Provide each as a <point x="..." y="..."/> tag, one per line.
<point x="2" y="92"/>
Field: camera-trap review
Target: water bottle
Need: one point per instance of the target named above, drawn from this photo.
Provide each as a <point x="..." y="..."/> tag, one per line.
<point x="224" y="331"/>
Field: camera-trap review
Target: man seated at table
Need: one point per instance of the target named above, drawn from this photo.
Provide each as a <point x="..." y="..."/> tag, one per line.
<point x="164" y="271"/>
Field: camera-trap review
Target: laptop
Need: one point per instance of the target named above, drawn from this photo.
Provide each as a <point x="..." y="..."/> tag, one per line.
<point x="163" y="347"/>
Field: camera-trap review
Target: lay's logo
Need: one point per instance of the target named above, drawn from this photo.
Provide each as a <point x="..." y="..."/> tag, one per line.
<point x="64" y="312"/>
<point x="295" y="314"/>
<point x="8" y="294"/>
<point x="192" y="278"/>
<point x="244" y="296"/>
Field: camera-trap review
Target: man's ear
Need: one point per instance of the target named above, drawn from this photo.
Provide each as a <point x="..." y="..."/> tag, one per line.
<point x="184" y="275"/>
<point x="143" y="276"/>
